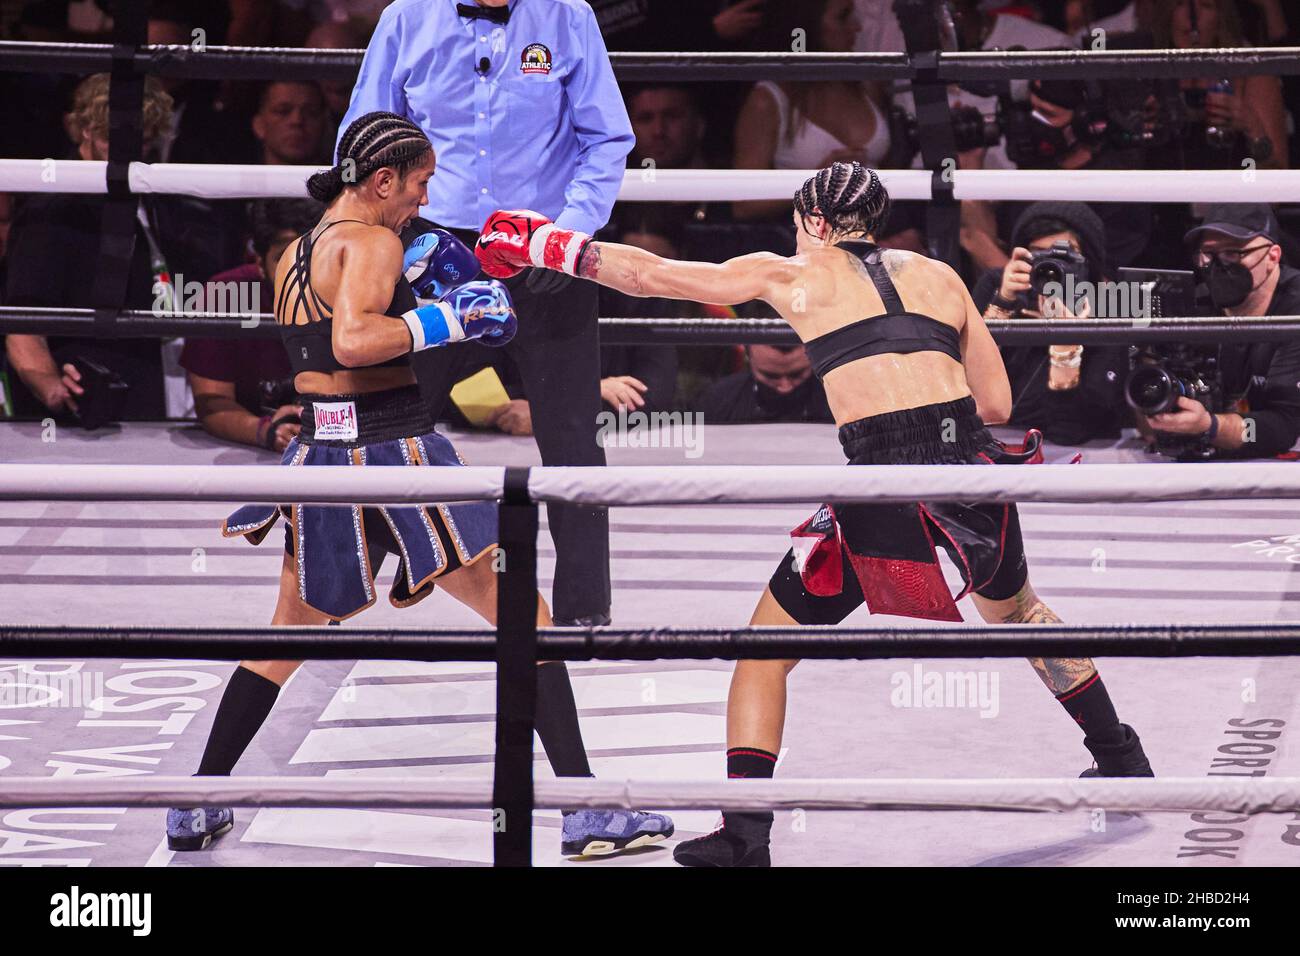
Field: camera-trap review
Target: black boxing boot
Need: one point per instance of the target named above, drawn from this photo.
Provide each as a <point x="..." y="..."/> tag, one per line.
<point x="1123" y="759"/>
<point x="742" y="840"/>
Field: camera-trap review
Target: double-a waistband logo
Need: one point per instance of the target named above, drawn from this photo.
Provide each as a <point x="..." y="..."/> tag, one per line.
<point x="335" y="420"/>
<point x="536" y="58"/>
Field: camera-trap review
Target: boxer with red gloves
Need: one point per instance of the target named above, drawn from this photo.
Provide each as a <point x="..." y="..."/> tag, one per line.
<point x="912" y="376"/>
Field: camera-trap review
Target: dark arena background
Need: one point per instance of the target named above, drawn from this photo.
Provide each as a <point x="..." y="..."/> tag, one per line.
<point x="1055" y="235"/>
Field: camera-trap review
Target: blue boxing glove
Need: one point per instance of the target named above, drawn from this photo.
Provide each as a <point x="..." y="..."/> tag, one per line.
<point x="437" y="261"/>
<point x="475" y="310"/>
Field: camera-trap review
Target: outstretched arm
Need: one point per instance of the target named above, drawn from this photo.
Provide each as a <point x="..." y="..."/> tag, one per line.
<point x="512" y="240"/>
<point x="635" y="271"/>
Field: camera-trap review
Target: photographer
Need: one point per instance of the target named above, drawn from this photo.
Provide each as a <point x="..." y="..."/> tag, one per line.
<point x="1236" y="254"/>
<point x="1231" y="117"/>
<point x="1051" y="131"/>
<point x="85" y="379"/>
<point x="1071" y="393"/>
<point x="243" y="387"/>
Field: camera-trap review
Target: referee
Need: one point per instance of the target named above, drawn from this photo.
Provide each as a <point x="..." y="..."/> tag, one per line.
<point x="520" y="103"/>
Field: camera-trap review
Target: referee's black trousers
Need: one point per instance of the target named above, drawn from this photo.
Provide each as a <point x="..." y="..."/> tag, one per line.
<point x="557" y="352"/>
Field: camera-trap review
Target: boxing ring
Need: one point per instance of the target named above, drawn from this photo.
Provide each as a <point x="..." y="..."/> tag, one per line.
<point x="400" y="738"/>
<point x="379" y="754"/>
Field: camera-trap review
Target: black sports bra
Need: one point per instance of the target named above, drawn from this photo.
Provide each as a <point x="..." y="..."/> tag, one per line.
<point x="895" y="330"/>
<point x="310" y="344"/>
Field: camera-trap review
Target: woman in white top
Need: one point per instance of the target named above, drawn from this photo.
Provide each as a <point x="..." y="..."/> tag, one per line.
<point x="809" y="125"/>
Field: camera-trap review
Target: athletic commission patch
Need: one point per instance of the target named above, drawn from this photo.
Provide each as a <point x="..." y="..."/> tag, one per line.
<point x="536" y="58"/>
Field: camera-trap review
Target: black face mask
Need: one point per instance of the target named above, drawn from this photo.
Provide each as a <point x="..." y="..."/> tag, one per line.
<point x="788" y="405"/>
<point x="1229" y="285"/>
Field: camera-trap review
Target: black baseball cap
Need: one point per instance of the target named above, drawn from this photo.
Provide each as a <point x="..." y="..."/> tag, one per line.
<point x="1238" y="220"/>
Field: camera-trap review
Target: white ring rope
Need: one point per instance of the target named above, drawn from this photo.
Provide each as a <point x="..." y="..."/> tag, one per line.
<point x="1258" y="795"/>
<point x="228" y="181"/>
<point x="656" y="485"/>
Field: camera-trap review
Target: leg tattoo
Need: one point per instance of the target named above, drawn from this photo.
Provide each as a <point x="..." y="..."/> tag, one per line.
<point x="1060" y="674"/>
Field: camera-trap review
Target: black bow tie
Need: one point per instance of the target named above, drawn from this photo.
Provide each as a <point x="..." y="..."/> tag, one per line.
<point x="473" y="11"/>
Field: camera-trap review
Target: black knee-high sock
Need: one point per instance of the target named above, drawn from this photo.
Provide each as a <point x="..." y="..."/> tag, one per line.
<point x="248" y="699"/>
<point x="557" y="722"/>
<point x="749" y="763"/>
<point x="1090" y="706"/>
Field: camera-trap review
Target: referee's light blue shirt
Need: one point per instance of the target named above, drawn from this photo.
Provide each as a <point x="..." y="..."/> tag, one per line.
<point x="544" y="129"/>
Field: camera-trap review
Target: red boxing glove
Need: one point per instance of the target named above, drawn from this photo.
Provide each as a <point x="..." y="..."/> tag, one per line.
<point x="517" y="238"/>
<point x="503" y="244"/>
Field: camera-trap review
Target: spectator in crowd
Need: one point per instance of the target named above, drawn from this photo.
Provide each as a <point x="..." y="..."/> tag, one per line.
<point x="335" y="35"/>
<point x="670" y="132"/>
<point x="1232" y="118"/>
<point x="288" y="22"/>
<point x="51" y="230"/>
<point x="688" y="25"/>
<point x="809" y="125"/>
<point x="290" y="124"/>
<point x="243" y="387"/>
<point x="1079" y="18"/>
<point x="679" y="24"/>
<point x="66" y="20"/>
<point x="29" y="128"/>
<point x="977" y="28"/>
<point x="1236" y="251"/>
<point x="778" y="386"/>
<point x="1128" y="225"/>
<point x="880" y="31"/>
<point x="668" y="125"/>
<point x="363" y="14"/>
<point x="1072" y="393"/>
<point x="202" y="129"/>
<point x="1265" y="22"/>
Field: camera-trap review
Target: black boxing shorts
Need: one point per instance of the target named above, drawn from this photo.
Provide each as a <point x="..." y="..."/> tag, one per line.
<point x="884" y="555"/>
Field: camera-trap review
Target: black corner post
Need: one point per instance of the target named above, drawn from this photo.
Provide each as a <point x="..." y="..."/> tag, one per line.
<point x="125" y="146"/>
<point x="925" y="31"/>
<point x="516" y="655"/>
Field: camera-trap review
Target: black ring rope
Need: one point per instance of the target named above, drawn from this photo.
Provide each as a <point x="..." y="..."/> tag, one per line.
<point x="129" y="60"/>
<point x="636" y="330"/>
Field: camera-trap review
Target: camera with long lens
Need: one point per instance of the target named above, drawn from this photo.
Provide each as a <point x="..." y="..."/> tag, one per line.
<point x="1106" y="114"/>
<point x="971" y="129"/>
<point x="1114" y="114"/>
<point x="1161" y="373"/>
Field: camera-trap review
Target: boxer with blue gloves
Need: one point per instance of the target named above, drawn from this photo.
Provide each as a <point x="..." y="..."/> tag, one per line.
<point x="352" y="306"/>
<point x="454" y="306"/>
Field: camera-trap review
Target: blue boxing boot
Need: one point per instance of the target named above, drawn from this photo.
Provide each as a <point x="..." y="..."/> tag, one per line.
<point x="600" y="832"/>
<point x="193" y="828"/>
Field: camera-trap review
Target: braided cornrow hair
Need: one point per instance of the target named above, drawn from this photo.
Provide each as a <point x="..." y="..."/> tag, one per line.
<point x="373" y="141"/>
<point x="849" y="196"/>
